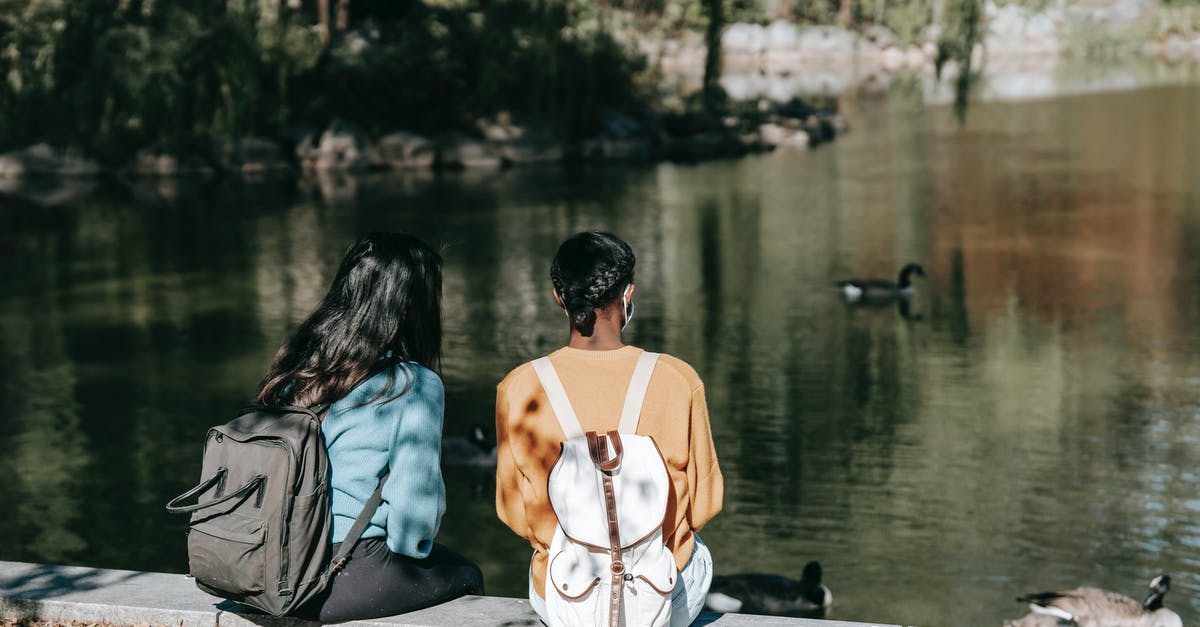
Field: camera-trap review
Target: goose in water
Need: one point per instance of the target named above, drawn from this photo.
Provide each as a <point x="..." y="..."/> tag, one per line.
<point x="753" y="593"/>
<point x="477" y="450"/>
<point x="881" y="291"/>
<point x="1092" y="607"/>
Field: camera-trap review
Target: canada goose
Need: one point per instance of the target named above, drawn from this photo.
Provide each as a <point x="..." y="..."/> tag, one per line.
<point x="881" y="290"/>
<point x="477" y="450"/>
<point x="752" y="593"/>
<point x="1092" y="607"/>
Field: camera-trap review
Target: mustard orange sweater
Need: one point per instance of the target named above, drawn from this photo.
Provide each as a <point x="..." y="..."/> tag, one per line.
<point x="528" y="439"/>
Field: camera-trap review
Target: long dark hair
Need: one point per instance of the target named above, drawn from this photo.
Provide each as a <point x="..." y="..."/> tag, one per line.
<point x="589" y="272"/>
<point x="384" y="307"/>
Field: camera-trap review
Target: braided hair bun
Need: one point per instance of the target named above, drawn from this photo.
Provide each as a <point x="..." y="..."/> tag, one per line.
<point x="589" y="272"/>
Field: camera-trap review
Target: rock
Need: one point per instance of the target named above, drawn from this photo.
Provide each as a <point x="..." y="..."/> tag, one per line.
<point x="782" y="136"/>
<point x="341" y="147"/>
<point x="457" y="151"/>
<point x="403" y="150"/>
<point x="826" y="41"/>
<point x="44" y="160"/>
<point x="915" y="58"/>
<point x="744" y="39"/>
<point x="155" y="161"/>
<point x="781" y="35"/>
<point x="894" y="59"/>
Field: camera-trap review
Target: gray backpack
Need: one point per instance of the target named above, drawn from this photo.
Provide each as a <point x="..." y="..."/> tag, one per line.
<point x="259" y="532"/>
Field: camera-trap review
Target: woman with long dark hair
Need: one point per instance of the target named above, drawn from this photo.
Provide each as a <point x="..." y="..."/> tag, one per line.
<point x="367" y="357"/>
<point x="592" y="274"/>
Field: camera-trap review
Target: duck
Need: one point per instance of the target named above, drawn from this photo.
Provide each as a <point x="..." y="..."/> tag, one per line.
<point x="754" y="593"/>
<point x="477" y="450"/>
<point x="1093" y="607"/>
<point x="882" y="290"/>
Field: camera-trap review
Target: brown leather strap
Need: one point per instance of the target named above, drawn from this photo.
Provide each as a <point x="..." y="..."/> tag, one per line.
<point x="614" y="549"/>
<point x="599" y="450"/>
<point x="618" y="451"/>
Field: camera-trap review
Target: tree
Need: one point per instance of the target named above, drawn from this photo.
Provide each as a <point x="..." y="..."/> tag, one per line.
<point x="713" y="94"/>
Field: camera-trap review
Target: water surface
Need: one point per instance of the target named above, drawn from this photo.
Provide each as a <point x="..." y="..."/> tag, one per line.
<point x="1034" y="422"/>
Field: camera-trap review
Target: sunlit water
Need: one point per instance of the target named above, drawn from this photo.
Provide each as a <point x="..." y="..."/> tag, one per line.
<point x="1034" y="422"/>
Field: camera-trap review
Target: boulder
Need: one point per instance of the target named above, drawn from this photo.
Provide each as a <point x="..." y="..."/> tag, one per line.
<point x="340" y="148"/>
<point x="782" y="136"/>
<point x="44" y="160"/>
<point x="826" y="41"/>
<point x="403" y="150"/>
<point x="156" y="161"/>
<point x="781" y="35"/>
<point x="744" y="39"/>
<point x="457" y="151"/>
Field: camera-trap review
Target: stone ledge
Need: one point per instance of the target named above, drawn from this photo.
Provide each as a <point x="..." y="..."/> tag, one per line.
<point x="61" y="594"/>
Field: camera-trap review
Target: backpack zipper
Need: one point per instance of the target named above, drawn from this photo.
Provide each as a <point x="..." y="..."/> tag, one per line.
<point x="283" y="583"/>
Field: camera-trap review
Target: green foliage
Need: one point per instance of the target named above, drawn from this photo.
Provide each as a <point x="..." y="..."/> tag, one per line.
<point x="909" y="20"/>
<point x="111" y="76"/>
<point x="448" y="64"/>
<point x="105" y="75"/>
<point x="1176" y="18"/>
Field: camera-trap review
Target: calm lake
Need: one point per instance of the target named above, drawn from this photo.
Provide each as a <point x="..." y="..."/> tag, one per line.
<point x="1032" y="423"/>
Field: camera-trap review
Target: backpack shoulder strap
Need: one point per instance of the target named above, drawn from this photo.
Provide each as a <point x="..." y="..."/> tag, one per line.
<point x="631" y="413"/>
<point x="558" y="397"/>
<point x="360" y="525"/>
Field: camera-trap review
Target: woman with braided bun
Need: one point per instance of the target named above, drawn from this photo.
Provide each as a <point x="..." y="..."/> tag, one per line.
<point x="593" y="279"/>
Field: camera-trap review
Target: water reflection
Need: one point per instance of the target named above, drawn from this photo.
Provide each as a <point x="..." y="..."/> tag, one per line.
<point x="1030" y="420"/>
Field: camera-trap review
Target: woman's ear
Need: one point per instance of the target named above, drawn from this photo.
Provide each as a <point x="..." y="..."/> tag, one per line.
<point x="558" y="299"/>
<point x="629" y="291"/>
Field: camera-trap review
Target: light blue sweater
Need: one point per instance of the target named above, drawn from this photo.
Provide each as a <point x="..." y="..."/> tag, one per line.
<point x="405" y="435"/>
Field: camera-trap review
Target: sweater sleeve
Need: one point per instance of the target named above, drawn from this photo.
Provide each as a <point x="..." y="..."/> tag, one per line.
<point x="510" y="505"/>
<point x="414" y="494"/>
<point x="706" y="485"/>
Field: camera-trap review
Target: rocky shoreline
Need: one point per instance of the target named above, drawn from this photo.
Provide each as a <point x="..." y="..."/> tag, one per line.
<point x="342" y="147"/>
<point x="765" y="66"/>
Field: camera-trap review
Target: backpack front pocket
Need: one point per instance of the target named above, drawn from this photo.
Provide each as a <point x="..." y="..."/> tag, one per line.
<point x="226" y="553"/>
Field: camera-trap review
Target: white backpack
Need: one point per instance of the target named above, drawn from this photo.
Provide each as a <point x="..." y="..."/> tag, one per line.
<point x="608" y="563"/>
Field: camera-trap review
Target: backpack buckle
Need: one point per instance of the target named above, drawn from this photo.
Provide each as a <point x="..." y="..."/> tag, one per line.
<point x="617" y="568"/>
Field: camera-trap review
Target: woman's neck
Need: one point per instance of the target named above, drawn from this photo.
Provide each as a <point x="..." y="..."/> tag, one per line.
<point x="603" y="338"/>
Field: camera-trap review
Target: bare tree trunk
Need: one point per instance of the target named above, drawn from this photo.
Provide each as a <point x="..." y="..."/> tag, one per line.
<point x="343" y="15"/>
<point x="323" y="19"/>
<point x="845" y="13"/>
<point x="712" y="57"/>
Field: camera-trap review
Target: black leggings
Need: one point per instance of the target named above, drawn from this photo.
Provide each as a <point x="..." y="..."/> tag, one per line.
<point x="377" y="582"/>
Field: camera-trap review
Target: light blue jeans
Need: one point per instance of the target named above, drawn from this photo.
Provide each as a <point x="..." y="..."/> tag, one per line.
<point x="687" y="600"/>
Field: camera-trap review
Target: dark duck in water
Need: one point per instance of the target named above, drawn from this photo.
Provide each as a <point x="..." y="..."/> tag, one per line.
<point x="476" y="450"/>
<point x="753" y="593"/>
<point x="1093" y="607"/>
<point x="881" y="291"/>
